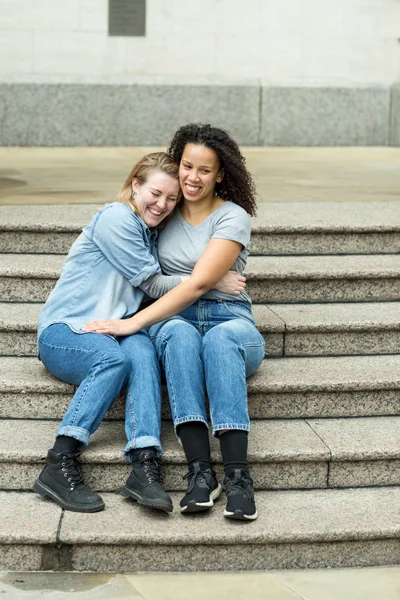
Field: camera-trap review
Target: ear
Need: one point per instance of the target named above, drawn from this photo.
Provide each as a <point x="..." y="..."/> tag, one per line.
<point x="135" y="184"/>
<point x="220" y="176"/>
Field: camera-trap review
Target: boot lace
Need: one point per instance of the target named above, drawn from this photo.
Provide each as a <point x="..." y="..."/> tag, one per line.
<point x="151" y="467"/>
<point x="198" y="478"/>
<point x="71" y="469"/>
<point x="242" y="485"/>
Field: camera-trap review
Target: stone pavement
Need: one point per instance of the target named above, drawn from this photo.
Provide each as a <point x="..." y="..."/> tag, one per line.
<point x="94" y="175"/>
<point x="334" y="584"/>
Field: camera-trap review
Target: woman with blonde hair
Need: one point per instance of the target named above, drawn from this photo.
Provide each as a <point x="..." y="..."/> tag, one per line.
<point x="110" y="268"/>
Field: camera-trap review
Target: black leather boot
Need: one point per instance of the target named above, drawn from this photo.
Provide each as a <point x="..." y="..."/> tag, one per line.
<point x="145" y="483"/>
<point x="61" y="480"/>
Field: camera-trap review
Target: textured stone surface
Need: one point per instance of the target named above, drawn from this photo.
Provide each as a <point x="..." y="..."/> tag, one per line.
<point x="325" y="116"/>
<point x="17" y="344"/>
<point x="320" y="243"/>
<point x="324" y="374"/>
<point x="324" y="267"/>
<point x="30" y="266"/>
<point x="123" y="115"/>
<point x="340" y="344"/>
<point x="24" y="277"/>
<point x="323" y="404"/>
<point x="250" y="557"/>
<point x="364" y="383"/>
<point x="13" y="557"/>
<point x="111" y="477"/>
<point x="364" y="473"/>
<point x="270" y="441"/>
<point x="374" y="316"/>
<point x="329" y="290"/>
<point x="324" y="278"/>
<point x="371" y="438"/>
<point x="27" y="519"/>
<point x="318" y="516"/>
<point x="36" y="243"/>
<point x="263" y="405"/>
<point x="325" y="217"/>
<point x="279" y="228"/>
<point x="340" y="329"/>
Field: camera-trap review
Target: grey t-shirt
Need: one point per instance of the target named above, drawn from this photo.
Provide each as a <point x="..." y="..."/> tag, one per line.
<point x="180" y="244"/>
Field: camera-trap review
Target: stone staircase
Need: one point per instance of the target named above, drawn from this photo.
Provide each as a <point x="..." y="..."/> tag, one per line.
<point x="325" y="442"/>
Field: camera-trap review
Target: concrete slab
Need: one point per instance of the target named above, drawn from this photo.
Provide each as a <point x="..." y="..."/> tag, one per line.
<point x="288" y="175"/>
<point x="373" y="438"/>
<point x="26" y="519"/>
<point x="359" y="584"/>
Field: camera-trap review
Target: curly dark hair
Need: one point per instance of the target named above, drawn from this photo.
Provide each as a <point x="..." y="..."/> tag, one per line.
<point x="237" y="184"/>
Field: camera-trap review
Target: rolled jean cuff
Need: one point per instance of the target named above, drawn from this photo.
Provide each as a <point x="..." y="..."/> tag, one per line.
<point x="228" y="427"/>
<point x="75" y="432"/>
<point x="188" y="419"/>
<point x="145" y="441"/>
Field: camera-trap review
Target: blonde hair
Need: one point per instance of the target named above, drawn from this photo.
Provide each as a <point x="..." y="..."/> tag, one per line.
<point x="155" y="161"/>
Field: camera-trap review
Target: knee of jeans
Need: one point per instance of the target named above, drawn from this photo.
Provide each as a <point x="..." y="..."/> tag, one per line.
<point x="181" y="331"/>
<point x="220" y="337"/>
<point x="120" y="361"/>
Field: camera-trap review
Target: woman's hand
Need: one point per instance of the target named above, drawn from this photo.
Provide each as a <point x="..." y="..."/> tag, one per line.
<point x="113" y="327"/>
<point x="231" y="283"/>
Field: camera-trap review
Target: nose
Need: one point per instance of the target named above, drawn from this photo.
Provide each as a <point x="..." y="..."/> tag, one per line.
<point x="193" y="175"/>
<point x="162" y="202"/>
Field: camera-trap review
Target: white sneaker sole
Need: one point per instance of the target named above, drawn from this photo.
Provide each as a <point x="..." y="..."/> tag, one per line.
<point x="199" y="506"/>
<point x="240" y="516"/>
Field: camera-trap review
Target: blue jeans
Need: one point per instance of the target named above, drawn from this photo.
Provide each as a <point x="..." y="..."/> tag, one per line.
<point x="212" y="347"/>
<point x="101" y="365"/>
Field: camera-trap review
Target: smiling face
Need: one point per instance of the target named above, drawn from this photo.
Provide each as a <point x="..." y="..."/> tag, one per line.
<point x="156" y="198"/>
<point x="199" y="171"/>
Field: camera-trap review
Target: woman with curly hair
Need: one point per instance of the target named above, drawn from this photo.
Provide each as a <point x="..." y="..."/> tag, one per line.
<point x="206" y="340"/>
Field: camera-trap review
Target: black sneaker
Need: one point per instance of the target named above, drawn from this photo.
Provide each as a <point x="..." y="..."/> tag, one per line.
<point x="61" y="480"/>
<point x="240" y="504"/>
<point x="145" y="483"/>
<point x="203" y="489"/>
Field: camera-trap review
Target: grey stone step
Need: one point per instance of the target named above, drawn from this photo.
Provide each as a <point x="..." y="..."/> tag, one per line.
<point x="326" y="228"/>
<point x="281" y="388"/>
<point x="290" y="330"/>
<point x="295" y="529"/>
<point x="279" y="228"/>
<point x="289" y="454"/>
<point x="299" y="279"/>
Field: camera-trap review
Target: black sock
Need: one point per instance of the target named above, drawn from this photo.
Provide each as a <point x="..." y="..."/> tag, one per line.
<point x="195" y="442"/>
<point x="64" y="443"/>
<point x="233" y="445"/>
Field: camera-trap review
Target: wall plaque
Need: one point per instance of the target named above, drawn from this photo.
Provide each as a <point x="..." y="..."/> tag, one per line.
<point x="127" y="17"/>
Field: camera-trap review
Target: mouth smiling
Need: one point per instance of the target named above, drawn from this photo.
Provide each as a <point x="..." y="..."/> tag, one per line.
<point x="154" y="212"/>
<point x="192" y="189"/>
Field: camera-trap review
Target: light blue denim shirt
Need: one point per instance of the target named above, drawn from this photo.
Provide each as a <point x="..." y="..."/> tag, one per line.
<point x="107" y="271"/>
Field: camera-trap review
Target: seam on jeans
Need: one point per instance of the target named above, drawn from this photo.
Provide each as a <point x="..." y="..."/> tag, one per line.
<point x="189" y="419"/>
<point x="170" y="385"/>
<point x="84" y="391"/>
<point x="241" y="426"/>
<point x="88" y="351"/>
<point x="131" y="416"/>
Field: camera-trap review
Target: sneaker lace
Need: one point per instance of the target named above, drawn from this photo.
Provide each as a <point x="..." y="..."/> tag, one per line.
<point x="71" y="469"/>
<point x="240" y="485"/>
<point x="152" y="468"/>
<point x="199" y="479"/>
